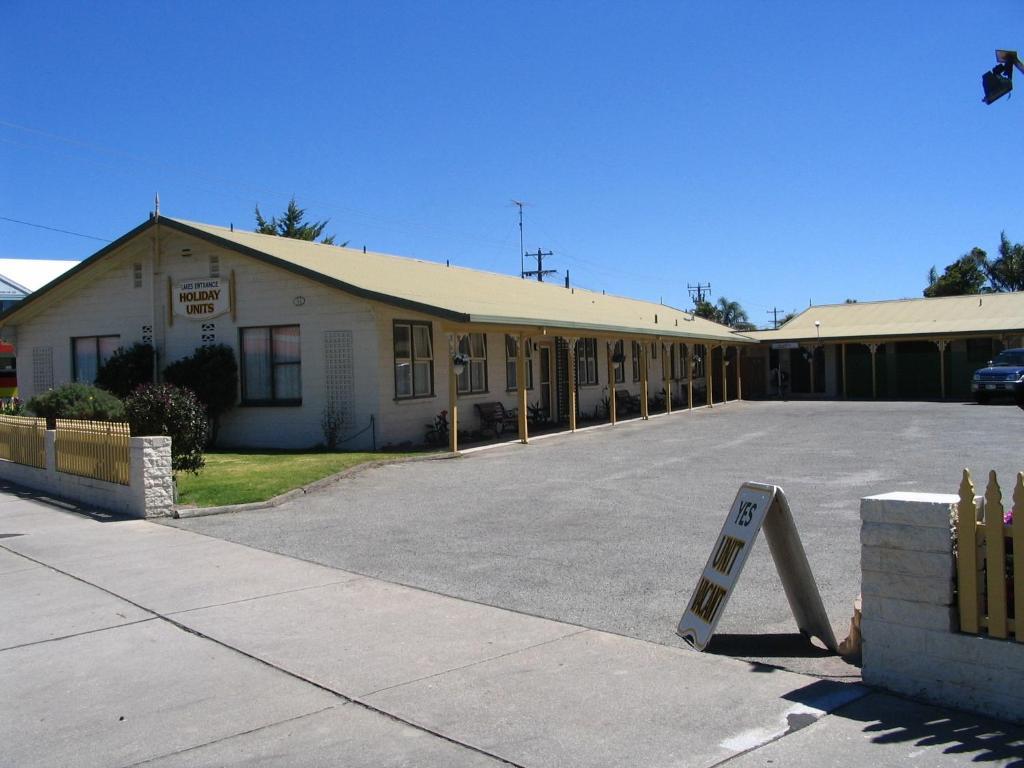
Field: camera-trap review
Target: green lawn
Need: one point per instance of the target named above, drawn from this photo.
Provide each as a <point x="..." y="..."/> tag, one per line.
<point x="242" y="477"/>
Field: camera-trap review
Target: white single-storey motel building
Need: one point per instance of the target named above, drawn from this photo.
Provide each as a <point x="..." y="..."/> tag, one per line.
<point x="384" y="342"/>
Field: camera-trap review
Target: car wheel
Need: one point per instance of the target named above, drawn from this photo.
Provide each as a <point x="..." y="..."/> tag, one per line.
<point x="981" y="398"/>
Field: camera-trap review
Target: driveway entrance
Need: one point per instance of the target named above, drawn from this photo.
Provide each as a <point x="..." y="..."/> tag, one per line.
<point x="609" y="528"/>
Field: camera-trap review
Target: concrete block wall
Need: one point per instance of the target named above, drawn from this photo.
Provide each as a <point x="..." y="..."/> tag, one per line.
<point x="150" y="492"/>
<point x="910" y="623"/>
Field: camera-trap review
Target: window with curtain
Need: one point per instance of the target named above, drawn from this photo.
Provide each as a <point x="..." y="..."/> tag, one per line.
<point x="511" y="384"/>
<point x="414" y="359"/>
<point x="474" y="376"/>
<point x="620" y="369"/>
<point x="636" y="361"/>
<point x="88" y="353"/>
<point x="586" y="361"/>
<point x="271" y="365"/>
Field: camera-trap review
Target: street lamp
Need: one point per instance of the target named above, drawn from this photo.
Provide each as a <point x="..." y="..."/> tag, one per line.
<point x="999" y="80"/>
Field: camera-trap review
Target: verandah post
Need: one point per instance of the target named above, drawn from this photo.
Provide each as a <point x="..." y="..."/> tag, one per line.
<point x="521" y="342"/>
<point x="644" y="407"/>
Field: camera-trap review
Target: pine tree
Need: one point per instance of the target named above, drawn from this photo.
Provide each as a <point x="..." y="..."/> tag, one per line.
<point x="291" y="225"/>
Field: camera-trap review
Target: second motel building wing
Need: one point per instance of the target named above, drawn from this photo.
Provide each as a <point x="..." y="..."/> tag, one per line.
<point x="372" y="338"/>
<point x="903" y="348"/>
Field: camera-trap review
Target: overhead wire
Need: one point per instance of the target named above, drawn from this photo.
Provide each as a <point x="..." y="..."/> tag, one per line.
<point x="55" y="229"/>
<point x="221" y="184"/>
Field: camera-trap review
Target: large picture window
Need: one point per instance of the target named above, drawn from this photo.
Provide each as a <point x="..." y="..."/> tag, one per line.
<point x="271" y="365"/>
<point x="414" y="359"/>
<point x="511" y="382"/>
<point x="474" y="376"/>
<point x="88" y="353"/>
<point x="586" y="361"/>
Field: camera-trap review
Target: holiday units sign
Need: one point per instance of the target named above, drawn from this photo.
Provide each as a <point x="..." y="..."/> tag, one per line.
<point x="201" y="298"/>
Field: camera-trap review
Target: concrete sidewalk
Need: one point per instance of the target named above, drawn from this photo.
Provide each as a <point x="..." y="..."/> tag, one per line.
<point x="126" y="642"/>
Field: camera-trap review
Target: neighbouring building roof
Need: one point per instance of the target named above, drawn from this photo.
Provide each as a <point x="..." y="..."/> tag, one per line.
<point x="456" y="293"/>
<point x="19" y="277"/>
<point x="988" y="313"/>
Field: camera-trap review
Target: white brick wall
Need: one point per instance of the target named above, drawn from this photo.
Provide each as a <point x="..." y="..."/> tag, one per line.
<point x="911" y="642"/>
<point x="150" y="492"/>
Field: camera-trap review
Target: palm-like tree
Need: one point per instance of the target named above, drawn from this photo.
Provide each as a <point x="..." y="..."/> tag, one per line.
<point x="732" y="314"/>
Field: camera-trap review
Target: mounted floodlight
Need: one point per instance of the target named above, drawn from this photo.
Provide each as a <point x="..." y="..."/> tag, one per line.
<point x="999" y="80"/>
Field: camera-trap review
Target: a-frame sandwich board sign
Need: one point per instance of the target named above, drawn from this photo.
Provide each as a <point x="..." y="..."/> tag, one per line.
<point x="757" y="505"/>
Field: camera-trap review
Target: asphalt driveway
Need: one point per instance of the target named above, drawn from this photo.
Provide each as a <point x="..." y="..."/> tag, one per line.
<point x="610" y="528"/>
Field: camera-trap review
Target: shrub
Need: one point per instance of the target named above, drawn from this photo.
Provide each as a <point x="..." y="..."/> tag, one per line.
<point x="126" y="369"/>
<point x="76" y="401"/>
<point x="212" y="373"/>
<point x="331" y="424"/>
<point x="12" y="406"/>
<point x="163" y="409"/>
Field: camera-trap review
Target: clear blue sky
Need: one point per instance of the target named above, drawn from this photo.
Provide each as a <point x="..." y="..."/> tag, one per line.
<point x="784" y="152"/>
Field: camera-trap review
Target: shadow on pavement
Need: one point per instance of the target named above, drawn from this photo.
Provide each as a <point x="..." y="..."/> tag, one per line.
<point x="888" y="719"/>
<point x="784" y="646"/>
<point x="99" y="515"/>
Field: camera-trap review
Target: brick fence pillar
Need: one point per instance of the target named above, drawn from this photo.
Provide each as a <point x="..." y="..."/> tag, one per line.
<point x="151" y="480"/>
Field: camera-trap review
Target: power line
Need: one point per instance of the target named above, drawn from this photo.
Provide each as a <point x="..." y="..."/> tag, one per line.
<point x="54" y="229"/>
<point x="697" y="291"/>
<point x="223" y="184"/>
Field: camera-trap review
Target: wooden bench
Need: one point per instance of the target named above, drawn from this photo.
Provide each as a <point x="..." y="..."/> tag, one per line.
<point x="495" y="417"/>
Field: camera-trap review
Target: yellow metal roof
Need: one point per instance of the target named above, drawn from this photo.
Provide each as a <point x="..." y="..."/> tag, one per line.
<point x="944" y="316"/>
<point x="466" y="295"/>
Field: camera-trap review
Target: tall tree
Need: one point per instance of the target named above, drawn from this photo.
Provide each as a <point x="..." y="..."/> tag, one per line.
<point x="725" y="312"/>
<point x="732" y="314"/>
<point x="291" y="225"/>
<point x="1007" y="272"/>
<point x="707" y="310"/>
<point x="966" y="275"/>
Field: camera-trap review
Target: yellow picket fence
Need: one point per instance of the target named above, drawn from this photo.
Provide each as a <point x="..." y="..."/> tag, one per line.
<point x="990" y="560"/>
<point x="23" y="440"/>
<point x="97" y="449"/>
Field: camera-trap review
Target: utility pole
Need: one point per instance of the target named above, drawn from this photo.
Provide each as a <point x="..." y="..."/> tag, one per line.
<point x="540" y="271"/>
<point x="522" y="263"/>
<point x="774" y="312"/>
<point x="697" y="291"/>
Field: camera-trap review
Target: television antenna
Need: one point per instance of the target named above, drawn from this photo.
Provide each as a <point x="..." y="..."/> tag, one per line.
<point x="522" y="253"/>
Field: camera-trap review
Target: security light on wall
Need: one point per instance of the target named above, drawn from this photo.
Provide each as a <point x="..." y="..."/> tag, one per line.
<point x="999" y="80"/>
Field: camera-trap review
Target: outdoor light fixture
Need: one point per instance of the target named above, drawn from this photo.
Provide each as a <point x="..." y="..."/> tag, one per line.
<point x="817" y="329"/>
<point x="999" y="80"/>
<point x="459" y="362"/>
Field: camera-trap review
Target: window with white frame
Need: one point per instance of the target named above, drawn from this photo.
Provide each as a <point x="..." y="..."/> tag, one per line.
<point x="586" y="361"/>
<point x="474" y="375"/>
<point x="271" y="365"/>
<point x="511" y="382"/>
<point x="414" y="359"/>
<point x="620" y="369"/>
<point x="88" y="353"/>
